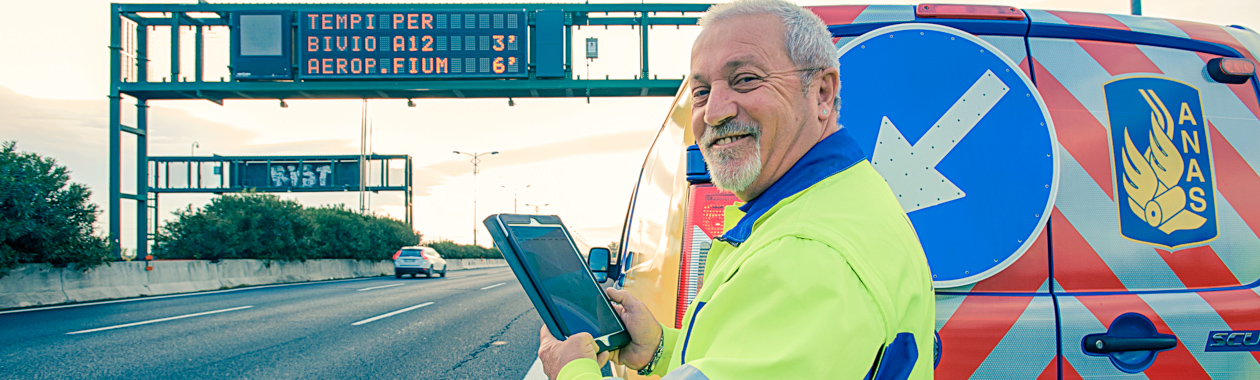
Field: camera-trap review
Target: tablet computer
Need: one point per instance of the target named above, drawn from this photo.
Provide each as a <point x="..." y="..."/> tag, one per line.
<point x="544" y="258"/>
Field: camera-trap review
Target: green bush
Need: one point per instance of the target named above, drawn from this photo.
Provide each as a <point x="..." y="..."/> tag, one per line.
<point x="263" y="226"/>
<point x="450" y="250"/>
<point x="345" y="234"/>
<point x="239" y="226"/>
<point x="43" y="217"/>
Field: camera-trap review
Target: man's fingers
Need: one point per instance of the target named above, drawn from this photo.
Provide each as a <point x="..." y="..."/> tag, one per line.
<point x="601" y="359"/>
<point x="623" y="298"/>
<point x="620" y="310"/>
<point x="545" y="335"/>
<point x="618" y="296"/>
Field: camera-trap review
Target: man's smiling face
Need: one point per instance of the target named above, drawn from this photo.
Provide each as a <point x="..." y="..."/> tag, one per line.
<point x="748" y="104"/>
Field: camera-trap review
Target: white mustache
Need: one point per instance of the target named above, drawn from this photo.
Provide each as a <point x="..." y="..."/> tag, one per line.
<point x="730" y="128"/>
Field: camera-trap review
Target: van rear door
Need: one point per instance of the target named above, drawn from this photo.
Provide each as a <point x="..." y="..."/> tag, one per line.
<point x="1154" y="232"/>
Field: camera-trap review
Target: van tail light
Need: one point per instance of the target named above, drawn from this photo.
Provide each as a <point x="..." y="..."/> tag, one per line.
<point x="969" y="12"/>
<point x="705" y="219"/>
<point x="396" y="254"/>
<point x="1231" y="70"/>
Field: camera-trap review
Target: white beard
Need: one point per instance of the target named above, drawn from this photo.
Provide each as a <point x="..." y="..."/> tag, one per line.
<point x="736" y="177"/>
<point x="733" y="169"/>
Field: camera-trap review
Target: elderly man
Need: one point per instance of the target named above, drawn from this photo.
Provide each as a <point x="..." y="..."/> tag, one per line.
<point x="823" y="277"/>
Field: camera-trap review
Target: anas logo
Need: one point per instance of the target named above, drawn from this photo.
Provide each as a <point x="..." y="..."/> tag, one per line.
<point x="1163" y="163"/>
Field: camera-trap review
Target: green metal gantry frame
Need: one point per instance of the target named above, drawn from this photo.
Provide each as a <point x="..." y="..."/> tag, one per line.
<point x="128" y="58"/>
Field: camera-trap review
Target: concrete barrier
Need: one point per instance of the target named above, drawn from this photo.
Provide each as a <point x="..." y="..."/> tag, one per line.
<point x="109" y="281"/>
<point x="461" y="264"/>
<point x="40" y="284"/>
<point x="169" y="277"/>
<point x="31" y="285"/>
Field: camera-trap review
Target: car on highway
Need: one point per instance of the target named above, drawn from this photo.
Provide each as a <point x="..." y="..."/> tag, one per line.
<point x="1057" y="252"/>
<point x="418" y="260"/>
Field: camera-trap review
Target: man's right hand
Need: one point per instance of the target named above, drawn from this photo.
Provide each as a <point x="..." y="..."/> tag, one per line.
<point x="645" y="331"/>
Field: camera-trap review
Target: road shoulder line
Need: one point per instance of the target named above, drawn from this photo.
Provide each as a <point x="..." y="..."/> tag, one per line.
<point x="159" y="320"/>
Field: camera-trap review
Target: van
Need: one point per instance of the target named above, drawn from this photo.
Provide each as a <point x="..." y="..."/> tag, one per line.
<point x="1062" y="247"/>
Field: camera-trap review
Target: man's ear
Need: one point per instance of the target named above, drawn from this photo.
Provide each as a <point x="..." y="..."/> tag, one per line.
<point x="828" y="87"/>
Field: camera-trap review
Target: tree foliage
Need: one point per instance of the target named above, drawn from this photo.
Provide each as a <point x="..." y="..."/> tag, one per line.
<point x="263" y="226"/>
<point x="450" y="250"/>
<point x="345" y="234"/>
<point x="43" y="217"/>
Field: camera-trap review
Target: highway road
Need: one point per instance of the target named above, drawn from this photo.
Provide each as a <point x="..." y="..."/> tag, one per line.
<point x="474" y="324"/>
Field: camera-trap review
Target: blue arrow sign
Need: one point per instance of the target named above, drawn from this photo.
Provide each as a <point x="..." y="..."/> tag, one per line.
<point x="963" y="139"/>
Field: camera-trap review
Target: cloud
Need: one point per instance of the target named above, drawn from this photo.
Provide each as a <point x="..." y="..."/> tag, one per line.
<point x="431" y="176"/>
<point x="76" y="134"/>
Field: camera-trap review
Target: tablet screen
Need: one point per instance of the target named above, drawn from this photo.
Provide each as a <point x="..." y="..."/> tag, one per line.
<point x="578" y="302"/>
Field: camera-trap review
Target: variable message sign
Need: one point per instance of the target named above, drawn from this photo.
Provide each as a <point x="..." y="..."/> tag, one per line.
<point x="293" y="174"/>
<point x="412" y="45"/>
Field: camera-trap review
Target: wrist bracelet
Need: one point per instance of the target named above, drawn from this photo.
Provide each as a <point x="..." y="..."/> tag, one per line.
<point x="651" y="366"/>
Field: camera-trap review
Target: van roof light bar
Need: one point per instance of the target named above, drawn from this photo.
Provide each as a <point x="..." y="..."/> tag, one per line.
<point x="970" y="12"/>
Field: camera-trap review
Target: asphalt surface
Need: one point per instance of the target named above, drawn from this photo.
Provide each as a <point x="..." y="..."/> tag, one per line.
<point x="474" y="324"/>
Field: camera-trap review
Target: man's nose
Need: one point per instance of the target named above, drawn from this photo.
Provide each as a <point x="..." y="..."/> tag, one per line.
<point x="720" y="106"/>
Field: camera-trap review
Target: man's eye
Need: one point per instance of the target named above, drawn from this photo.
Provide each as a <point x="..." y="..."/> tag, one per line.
<point x="744" y="81"/>
<point x="699" y="95"/>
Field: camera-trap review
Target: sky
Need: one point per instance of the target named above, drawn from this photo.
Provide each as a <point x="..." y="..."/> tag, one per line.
<point x="571" y="158"/>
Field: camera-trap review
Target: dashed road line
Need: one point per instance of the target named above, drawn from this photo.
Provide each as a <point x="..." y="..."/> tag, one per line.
<point x="390" y="314"/>
<point x="381" y="287"/>
<point x="159" y="320"/>
<point x="491" y="286"/>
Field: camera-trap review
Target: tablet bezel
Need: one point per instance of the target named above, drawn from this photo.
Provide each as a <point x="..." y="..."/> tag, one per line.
<point x="498" y="228"/>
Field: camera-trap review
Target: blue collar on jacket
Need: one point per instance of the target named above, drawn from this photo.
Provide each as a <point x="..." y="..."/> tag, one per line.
<point x="832" y="155"/>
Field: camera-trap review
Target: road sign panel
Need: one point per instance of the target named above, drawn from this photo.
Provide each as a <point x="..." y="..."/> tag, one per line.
<point x="963" y="139"/>
<point x="412" y="45"/>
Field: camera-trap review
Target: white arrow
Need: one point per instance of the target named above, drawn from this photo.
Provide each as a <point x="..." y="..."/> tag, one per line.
<point x="911" y="170"/>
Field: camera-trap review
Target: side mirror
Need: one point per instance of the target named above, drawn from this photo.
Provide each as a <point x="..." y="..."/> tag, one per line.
<point x="598" y="260"/>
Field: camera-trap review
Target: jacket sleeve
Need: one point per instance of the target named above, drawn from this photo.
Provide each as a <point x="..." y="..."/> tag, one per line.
<point x="581" y="369"/>
<point x="586" y="369"/>
<point x="793" y="310"/>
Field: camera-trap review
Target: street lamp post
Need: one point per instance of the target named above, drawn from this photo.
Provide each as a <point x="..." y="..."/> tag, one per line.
<point x="536" y="207"/>
<point x="514" y="191"/>
<point x="476" y="159"/>
<point x="193" y="150"/>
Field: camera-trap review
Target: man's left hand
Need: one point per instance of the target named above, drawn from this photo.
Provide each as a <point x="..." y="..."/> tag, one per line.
<point x="555" y="354"/>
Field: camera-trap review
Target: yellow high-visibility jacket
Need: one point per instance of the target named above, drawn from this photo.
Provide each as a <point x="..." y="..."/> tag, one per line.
<point x="823" y="278"/>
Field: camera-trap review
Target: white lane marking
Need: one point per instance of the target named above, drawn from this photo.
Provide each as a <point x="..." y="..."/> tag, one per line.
<point x="160" y="320"/>
<point x="491" y="286"/>
<point x="535" y="371"/>
<point x="390" y="314"/>
<point x="381" y="287"/>
<point x="180" y="295"/>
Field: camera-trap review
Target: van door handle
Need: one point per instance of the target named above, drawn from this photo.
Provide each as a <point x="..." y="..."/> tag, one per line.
<point x="1104" y="344"/>
<point x="1131" y="343"/>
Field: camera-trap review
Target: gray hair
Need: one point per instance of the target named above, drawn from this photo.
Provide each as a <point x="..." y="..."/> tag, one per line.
<point x="806" y="38"/>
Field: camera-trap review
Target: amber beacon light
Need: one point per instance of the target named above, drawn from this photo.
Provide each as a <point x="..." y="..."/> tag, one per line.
<point x="1231" y="70"/>
<point x="973" y="12"/>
